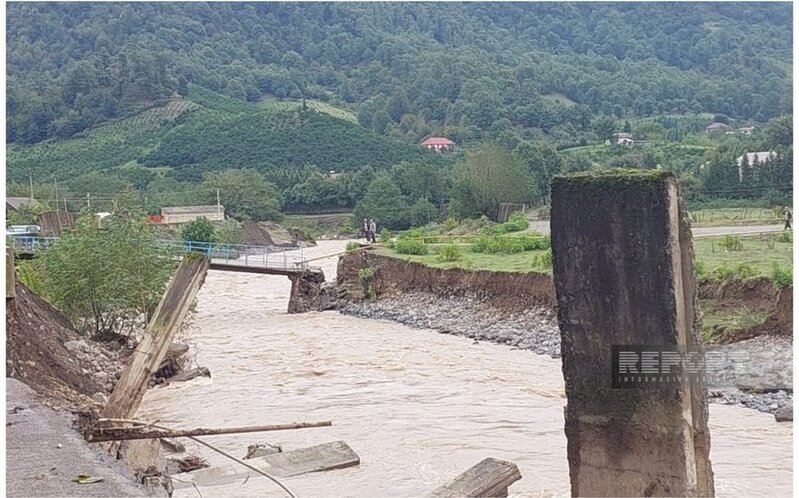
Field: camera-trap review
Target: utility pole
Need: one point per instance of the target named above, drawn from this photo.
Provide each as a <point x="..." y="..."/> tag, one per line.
<point x="88" y="200"/>
<point x="30" y="179"/>
<point x="218" y="206"/>
<point x="56" y="194"/>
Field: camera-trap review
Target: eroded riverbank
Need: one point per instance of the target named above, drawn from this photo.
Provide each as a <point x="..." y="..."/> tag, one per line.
<point x="419" y="407"/>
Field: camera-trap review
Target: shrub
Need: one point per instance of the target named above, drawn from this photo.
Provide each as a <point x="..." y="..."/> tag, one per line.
<point x="510" y="245"/>
<point x="450" y="224"/>
<point x="366" y="277"/>
<point x="701" y="271"/>
<point x="352" y="246"/>
<point x="543" y="261"/>
<point x="731" y="243"/>
<point x="781" y="277"/>
<point x="450" y="252"/>
<point x="745" y="270"/>
<point x="785" y="236"/>
<point x="516" y="223"/>
<point x="385" y="236"/>
<point x="199" y="230"/>
<point x="723" y="272"/>
<point x="411" y="246"/>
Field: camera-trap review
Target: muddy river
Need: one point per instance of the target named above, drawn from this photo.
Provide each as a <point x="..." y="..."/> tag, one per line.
<point x="417" y="406"/>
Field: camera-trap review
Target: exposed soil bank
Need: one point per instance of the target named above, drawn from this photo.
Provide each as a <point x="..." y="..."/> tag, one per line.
<point x="509" y="292"/>
<point x="518" y="310"/>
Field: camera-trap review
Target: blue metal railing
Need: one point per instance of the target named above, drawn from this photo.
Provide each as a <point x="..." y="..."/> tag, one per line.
<point x="285" y="258"/>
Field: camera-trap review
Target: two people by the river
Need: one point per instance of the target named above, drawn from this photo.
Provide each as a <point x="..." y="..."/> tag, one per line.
<point x="369" y="229"/>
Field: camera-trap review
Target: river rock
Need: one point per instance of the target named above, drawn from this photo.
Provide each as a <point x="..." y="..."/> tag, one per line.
<point x="784" y="414"/>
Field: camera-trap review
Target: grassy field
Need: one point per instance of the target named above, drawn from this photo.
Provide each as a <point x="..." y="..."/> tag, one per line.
<point x="756" y="257"/>
<point x="734" y="216"/>
<point x="758" y="253"/>
<point x="314" y="105"/>
<point x="522" y="262"/>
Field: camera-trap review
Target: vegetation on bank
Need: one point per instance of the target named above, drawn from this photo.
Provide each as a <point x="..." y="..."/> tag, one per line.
<point x="107" y="277"/>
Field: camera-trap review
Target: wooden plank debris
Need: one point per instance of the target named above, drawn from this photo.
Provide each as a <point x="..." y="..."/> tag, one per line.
<point x="102" y="434"/>
<point x="491" y="477"/>
<point x="179" y="296"/>
<point x="328" y="456"/>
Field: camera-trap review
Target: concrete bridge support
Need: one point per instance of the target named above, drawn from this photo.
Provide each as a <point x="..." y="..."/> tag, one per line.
<point x="623" y="267"/>
<point x="309" y="292"/>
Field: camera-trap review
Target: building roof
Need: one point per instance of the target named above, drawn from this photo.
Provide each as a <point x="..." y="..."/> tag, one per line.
<point x="189" y="209"/>
<point x="761" y="157"/>
<point x="438" y="141"/>
<point x="718" y="126"/>
<point x="18" y="202"/>
<point x="624" y="135"/>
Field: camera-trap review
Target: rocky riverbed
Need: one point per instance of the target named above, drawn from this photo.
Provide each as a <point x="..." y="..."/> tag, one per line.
<point x="758" y="372"/>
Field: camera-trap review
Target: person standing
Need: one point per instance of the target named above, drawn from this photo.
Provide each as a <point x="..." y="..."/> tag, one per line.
<point x="373" y="229"/>
<point x="365" y="229"/>
<point x="787" y="214"/>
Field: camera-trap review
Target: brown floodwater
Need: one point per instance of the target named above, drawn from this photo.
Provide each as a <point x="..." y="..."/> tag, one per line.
<point x="417" y="406"/>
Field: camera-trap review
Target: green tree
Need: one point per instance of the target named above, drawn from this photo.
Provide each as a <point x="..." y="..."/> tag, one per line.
<point x="487" y="176"/>
<point x="109" y="278"/>
<point x="244" y="193"/>
<point x="604" y="127"/>
<point x="230" y="233"/>
<point x="199" y="230"/>
<point x="384" y="203"/>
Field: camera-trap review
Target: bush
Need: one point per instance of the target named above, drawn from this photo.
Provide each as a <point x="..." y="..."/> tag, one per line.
<point x="701" y="271"/>
<point x="745" y="270"/>
<point x="352" y="246"/>
<point x="411" y="246"/>
<point x="731" y="243"/>
<point x="450" y="252"/>
<point x="199" y="230"/>
<point x="516" y="223"/>
<point x="723" y="272"/>
<point x="543" y="261"/>
<point x="450" y="224"/>
<point x="510" y="245"/>
<point x="385" y="236"/>
<point x="366" y="278"/>
<point x="785" y="236"/>
<point x="781" y="277"/>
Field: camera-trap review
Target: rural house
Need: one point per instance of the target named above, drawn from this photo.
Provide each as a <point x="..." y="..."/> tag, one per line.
<point x="439" y="144"/>
<point x="16" y="203"/>
<point x="624" y="139"/>
<point x="186" y="214"/>
<point x="717" y="128"/>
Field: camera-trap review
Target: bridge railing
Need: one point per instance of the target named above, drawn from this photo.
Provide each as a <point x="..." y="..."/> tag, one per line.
<point x="30" y="244"/>
<point x="284" y="258"/>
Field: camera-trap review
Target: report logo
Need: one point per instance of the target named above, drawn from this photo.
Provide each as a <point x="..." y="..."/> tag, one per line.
<point x="639" y="366"/>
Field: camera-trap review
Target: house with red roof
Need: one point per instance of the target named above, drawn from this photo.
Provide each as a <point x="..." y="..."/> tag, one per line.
<point x="439" y="144"/>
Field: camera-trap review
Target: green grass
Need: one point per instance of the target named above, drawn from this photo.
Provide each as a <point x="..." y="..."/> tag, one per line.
<point x="760" y="253"/>
<point x="522" y="262"/>
<point x="559" y="98"/>
<point x="314" y="105"/>
<point x="733" y="216"/>
<point x="716" y="321"/>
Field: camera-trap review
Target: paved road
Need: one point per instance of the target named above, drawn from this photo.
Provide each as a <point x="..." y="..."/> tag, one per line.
<point x="36" y="466"/>
<point x="543" y="227"/>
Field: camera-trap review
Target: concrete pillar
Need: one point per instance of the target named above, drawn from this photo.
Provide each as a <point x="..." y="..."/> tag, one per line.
<point x="623" y="267"/>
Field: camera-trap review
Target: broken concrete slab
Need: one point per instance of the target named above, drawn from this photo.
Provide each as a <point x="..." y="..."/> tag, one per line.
<point x="262" y="449"/>
<point x="328" y="456"/>
<point x="784" y="414"/>
<point x="623" y="268"/>
<point x="490" y="477"/>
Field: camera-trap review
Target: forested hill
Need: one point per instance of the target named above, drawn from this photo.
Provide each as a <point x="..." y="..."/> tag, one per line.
<point x="405" y="69"/>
